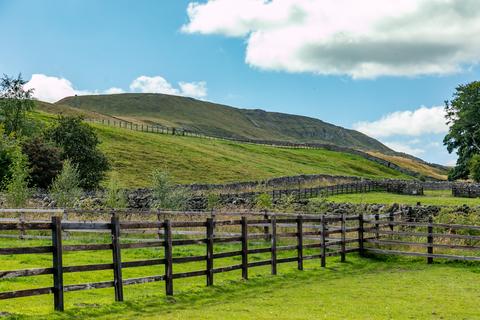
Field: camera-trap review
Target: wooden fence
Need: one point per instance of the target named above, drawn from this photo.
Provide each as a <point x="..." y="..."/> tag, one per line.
<point x="421" y="239"/>
<point x="325" y="235"/>
<point x="346" y="188"/>
<point x="319" y="229"/>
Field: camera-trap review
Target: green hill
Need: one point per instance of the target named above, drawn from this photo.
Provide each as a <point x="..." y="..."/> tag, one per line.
<point x="220" y="120"/>
<point x="134" y="155"/>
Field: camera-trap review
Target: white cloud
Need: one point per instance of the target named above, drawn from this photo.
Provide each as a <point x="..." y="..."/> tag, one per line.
<point x="51" y="89"/>
<point x="194" y="89"/>
<point x="408" y="123"/>
<point x="158" y="84"/>
<point x="114" y="90"/>
<point x="362" y="39"/>
<point x="155" y="84"/>
<point x="405" y="148"/>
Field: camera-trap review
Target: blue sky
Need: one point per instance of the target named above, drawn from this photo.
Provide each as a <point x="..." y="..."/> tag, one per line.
<point x="97" y="45"/>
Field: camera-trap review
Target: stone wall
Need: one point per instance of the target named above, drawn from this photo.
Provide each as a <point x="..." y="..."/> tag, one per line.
<point x="466" y="190"/>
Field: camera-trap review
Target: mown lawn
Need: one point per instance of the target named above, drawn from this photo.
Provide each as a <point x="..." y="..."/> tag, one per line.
<point x="361" y="288"/>
<point x="431" y="197"/>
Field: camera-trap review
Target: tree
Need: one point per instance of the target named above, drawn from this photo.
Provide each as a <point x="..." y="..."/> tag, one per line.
<point x="115" y="197"/>
<point x="15" y="102"/>
<point x="17" y="191"/>
<point x="80" y="145"/>
<point x="474" y="168"/>
<point x="165" y="194"/>
<point x="45" y="162"/>
<point x="65" y="188"/>
<point x="463" y="117"/>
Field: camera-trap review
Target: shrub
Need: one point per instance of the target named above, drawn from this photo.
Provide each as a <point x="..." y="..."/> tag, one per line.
<point x="114" y="195"/>
<point x="165" y="194"/>
<point x="213" y="201"/>
<point x="263" y="201"/>
<point x="45" y="162"/>
<point x="17" y="191"/>
<point x="80" y="145"/>
<point x="474" y="167"/>
<point x="65" y="189"/>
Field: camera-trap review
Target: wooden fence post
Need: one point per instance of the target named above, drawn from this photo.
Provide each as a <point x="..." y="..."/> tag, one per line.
<point x="323" y="242"/>
<point x="377" y="226"/>
<point x="274" y="244"/>
<point x="117" y="259"/>
<point x="300" y="242"/>
<point x="266" y="229"/>
<point x="168" y="258"/>
<point x="22" y="225"/>
<point x="430" y="240"/>
<point x="244" y="248"/>
<point x="391" y="218"/>
<point x="57" y="263"/>
<point x="342" y="254"/>
<point x="210" y="226"/>
<point x="360" y="235"/>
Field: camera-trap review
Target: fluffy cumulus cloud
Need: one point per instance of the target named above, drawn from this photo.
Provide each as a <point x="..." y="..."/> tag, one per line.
<point x="51" y="89"/>
<point x="408" y="123"/>
<point x="362" y="39"/>
<point x="157" y="84"/>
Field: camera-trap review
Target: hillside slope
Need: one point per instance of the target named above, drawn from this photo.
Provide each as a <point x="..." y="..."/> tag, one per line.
<point x="220" y="120"/>
<point x="134" y="155"/>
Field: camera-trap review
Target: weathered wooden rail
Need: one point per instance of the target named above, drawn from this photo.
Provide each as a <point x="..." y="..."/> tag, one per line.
<point x="319" y="231"/>
<point x="310" y="236"/>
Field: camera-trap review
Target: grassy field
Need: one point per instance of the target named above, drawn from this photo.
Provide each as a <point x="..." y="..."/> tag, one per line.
<point x="431" y="197"/>
<point x="222" y="120"/>
<point x="413" y="165"/>
<point x="134" y="155"/>
<point x="361" y="288"/>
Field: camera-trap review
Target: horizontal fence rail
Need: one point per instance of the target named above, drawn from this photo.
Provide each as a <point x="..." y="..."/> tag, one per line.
<point x="327" y="235"/>
<point x="281" y="238"/>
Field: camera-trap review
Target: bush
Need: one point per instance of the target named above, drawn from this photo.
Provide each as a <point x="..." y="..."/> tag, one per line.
<point x="65" y="189"/>
<point x="80" y="145"/>
<point x="213" y="201"/>
<point x="474" y="167"/>
<point x="115" y="196"/>
<point x="263" y="201"/>
<point x="45" y="162"/>
<point x="17" y="191"/>
<point x="165" y="194"/>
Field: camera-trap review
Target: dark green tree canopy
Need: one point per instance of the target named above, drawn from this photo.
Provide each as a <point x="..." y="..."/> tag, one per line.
<point x="15" y="102"/>
<point x="80" y="145"/>
<point x="463" y="117"/>
<point x="45" y="161"/>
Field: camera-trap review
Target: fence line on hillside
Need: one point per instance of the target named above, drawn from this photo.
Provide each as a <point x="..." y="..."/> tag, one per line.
<point x="330" y="235"/>
<point x="325" y="191"/>
<point x="159" y="129"/>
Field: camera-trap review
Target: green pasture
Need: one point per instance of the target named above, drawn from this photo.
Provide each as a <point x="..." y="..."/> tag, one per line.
<point x="361" y="288"/>
<point x="431" y="197"/>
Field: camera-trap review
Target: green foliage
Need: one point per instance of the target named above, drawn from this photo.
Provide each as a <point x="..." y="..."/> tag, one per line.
<point x="463" y="117"/>
<point x="263" y="201"/>
<point x="474" y="168"/>
<point x="114" y="195"/>
<point x="80" y="145"/>
<point x="213" y="201"/>
<point x="45" y="161"/>
<point x="17" y="191"/>
<point x="15" y="102"/>
<point x="65" y="189"/>
<point x="165" y="194"/>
